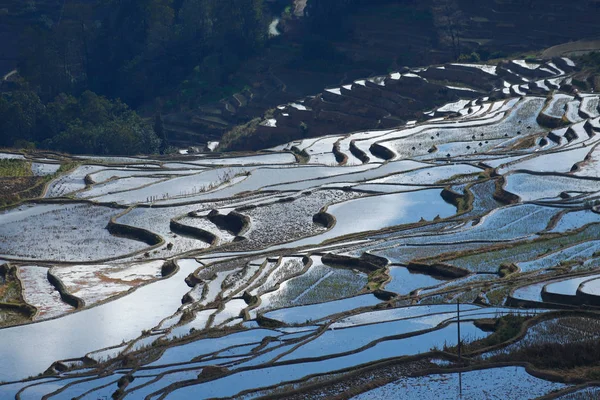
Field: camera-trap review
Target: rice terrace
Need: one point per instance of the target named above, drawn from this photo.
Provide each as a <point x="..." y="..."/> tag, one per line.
<point x="299" y="199"/>
<point x="329" y="267"/>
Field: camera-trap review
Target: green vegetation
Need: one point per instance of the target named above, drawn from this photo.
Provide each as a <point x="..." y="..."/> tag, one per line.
<point x="505" y="328"/>
<point x="484" y="260"/>
<point x="88" y="124"/>
<point x="557" y="355"/>
<point x="13" y="309"/>
<point x="19" y="184"/>
<point x="239" y="133"/>
<point x="14" y="168"/>
<point x="473" y="57"/>
<point x="171" y="56"/>
<point x="569" y="343"/>
<point x="74" y="73"/>
<point x="591" y="60"/>
<point x="591" y="73"/>
<point x="10" y="291"/>
<point x="497" y="297"/>
<point x="139" y="49"/>
<point x="377" y="278"/>
<point x="63" y="168"/>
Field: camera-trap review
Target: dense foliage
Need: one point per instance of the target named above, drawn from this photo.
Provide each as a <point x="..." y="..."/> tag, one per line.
<point x="136" y="50"/>
<point x="330" y="17"/>
<point x="591" y="60"/>
<point x="133" y="51"/>
<point x="85" y="124"/>
<point x="186" y="59"/>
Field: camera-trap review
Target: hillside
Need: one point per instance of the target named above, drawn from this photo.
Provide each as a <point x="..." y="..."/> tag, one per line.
<point x="383" y="37"/>
<point x="455" y="255"/>
<point x="370" y="39"/>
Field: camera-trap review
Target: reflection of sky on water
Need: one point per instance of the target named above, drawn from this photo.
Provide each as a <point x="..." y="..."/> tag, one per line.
<point x="260" y="178"/>
<point x="237" y="382"/>
<point x="315" y="312"/>
<point x="26" y="211"/>
<point x="373" y="213"/>
<point x="567" y="286"/>
<point x="30" y="349"/>
<point x="378" y="212"/>
<point x="403" y="281"/>
<point x="486" y="383"/>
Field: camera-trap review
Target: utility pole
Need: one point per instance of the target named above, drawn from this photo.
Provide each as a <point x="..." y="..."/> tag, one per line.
<point x="458" y="330"/>
<point x="459" y="347"/>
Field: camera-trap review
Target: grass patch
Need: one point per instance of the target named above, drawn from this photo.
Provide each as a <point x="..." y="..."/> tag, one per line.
<point x="15" y="168"/>
<point x="237" y="137"/>
<point x="62" y="169"/>
<point x="13" y="309"/>
<point x="507" y="269"/>
<point x="591" y="61"/>
<point x="497" y="297"/>
<point x="461" y="178"/>
<point x="489" y="258"/>
<point x="557" y="355"/>
<point x="376" y="279"/>
<point x="505" y="328"/>
<point x="526" y="143"/>
<point x="10" y="292"/>
<point x="17" y="183"/>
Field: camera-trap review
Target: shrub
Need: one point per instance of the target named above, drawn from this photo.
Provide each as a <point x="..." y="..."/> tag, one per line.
<point x="473" y="57"/>
<point x="558" y="355"/>
<point x="505" y="328"/>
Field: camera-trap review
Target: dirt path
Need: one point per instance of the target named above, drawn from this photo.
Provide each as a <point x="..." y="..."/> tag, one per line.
<point x="11" y="73"/>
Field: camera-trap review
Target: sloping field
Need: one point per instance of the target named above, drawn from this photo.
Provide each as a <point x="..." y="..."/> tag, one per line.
<point x="352" y="265"/>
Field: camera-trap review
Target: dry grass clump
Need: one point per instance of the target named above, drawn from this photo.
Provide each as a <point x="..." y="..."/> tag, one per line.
<point x="17" y="182"/>
<point x="565" y="343"/>
<point x="507" y="269"/>
<point x="13" y="309"/>
<point x="10" y="286"/>
<point x="377" y="278"/>
<point x="505" y="328"/>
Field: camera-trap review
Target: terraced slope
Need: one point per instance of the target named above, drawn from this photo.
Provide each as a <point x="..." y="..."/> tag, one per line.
<point x="412" y="95"/>
<point x="333" y="266"/>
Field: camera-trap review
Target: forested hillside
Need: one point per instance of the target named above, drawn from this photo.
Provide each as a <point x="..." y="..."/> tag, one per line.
<point x="130" y="51"/>
<point x="196" y="69"/>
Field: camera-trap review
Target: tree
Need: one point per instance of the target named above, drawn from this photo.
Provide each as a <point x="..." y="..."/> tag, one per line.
<point x="130" y="57"/>
<point x="327" y="16"/>
<point x="57" y="115"/>
<point x="450" y="21"/>
<point x="137" y="50"/>
<point x="19" y="115"/>
<point x="101" y="126"/>
<point x="159" y="131"/>
<point x="55" y="57"/>
<point x="90" y="124"/>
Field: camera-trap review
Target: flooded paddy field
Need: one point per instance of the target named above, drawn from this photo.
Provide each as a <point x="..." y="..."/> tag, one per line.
<point x="344" y="265"/>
